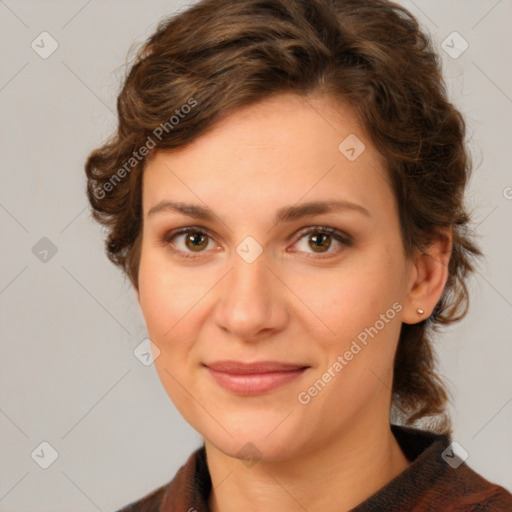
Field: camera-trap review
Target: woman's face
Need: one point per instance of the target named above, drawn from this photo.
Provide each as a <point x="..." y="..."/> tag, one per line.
<point x="276" y="322"/>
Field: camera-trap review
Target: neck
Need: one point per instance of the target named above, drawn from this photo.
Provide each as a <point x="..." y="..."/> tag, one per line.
<point x="335" y="475"/>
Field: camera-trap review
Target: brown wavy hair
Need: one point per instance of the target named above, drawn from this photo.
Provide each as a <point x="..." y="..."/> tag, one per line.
<point x="219" y="55"/>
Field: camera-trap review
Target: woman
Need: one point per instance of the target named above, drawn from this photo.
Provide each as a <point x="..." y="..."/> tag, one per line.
<point x="285" y="192"/>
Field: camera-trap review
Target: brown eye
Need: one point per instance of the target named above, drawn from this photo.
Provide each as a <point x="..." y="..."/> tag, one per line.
<point x="320" y="242"/>
<point x="184" y="242"/>
<point x="196" y="241"/>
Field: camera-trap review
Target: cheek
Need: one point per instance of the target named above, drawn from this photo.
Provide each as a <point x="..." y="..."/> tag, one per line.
<point x="165" y="293"/>
<point x="165" y="300"/>
<point x="363" y="311"/>
<point x="353" y="296"/>
<point x="360" y="304"/>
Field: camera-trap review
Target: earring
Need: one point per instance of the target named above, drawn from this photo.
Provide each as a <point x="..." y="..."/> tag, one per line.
<point x="420" y="311"/>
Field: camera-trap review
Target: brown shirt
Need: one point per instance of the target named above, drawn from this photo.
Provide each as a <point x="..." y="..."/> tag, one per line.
<point x="430" y="483"/>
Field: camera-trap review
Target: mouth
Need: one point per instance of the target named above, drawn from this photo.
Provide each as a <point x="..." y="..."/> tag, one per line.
<point x="254" y="378"/>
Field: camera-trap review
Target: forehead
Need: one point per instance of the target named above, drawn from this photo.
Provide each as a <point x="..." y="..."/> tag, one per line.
<point x="285" y="146"/>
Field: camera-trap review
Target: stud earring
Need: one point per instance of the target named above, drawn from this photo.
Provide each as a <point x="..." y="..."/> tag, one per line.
<point x="420" y="311"/>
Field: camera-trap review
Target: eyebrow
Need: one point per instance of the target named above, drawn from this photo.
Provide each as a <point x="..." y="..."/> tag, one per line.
<point x="285" y="214"/>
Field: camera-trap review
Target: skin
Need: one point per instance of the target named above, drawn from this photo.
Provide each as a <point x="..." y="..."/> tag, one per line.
<point x="292" y="304"/>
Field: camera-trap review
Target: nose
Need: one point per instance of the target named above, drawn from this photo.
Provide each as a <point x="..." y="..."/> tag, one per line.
<point x="252" y="301"/>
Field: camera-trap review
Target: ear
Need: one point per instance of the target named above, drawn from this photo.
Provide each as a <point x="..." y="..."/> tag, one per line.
<point x="429" y="274"/>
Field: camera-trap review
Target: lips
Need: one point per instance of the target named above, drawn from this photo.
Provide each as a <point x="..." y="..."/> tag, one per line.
<point x="254" y="378"/>
<point x="240" y="368"/>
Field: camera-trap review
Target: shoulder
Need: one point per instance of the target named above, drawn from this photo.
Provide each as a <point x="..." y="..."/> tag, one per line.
<point x="149" y="503"/>
<point x="436" y="480"/>
<point x="473" y="493"/>
<point x="188" y="490"/>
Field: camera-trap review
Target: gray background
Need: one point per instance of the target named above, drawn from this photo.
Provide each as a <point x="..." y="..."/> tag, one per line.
<point x="69" y="321"/>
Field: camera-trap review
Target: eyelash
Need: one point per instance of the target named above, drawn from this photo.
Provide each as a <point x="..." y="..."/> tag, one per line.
<point x="339" y="236"/>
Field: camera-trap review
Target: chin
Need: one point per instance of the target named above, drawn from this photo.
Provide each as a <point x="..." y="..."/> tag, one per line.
<point x="254" y="440"/>
<point x="249" y="450"/>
